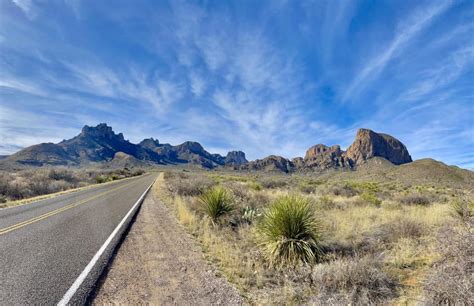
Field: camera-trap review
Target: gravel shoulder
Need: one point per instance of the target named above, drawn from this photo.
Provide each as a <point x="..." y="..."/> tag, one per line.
<point x="159" y="263"/>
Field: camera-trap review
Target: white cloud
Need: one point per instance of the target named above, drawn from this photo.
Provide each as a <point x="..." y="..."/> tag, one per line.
<point x="407" y="31"/>
<point x="198" y="84"/>
<point x="27" y="7"/>
<point x="169" y="92"/>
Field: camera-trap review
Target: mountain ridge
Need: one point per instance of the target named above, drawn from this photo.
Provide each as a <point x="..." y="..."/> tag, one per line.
<point x="101" y="145"/>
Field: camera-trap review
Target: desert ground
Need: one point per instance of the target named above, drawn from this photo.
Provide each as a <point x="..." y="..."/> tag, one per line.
<point x="378" y="235"/>
<point x="382" y="240"/>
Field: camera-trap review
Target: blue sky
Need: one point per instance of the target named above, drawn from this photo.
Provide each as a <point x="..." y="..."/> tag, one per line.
<point x="265" y="77"/>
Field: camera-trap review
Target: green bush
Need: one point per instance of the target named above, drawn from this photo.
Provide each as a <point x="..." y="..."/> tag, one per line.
<point x="216" y="202"/>
<point x="290" y="232"/>
<point x="255" y="186"/>
<point x="371" y="198"/>
<point x="101" y="179"/>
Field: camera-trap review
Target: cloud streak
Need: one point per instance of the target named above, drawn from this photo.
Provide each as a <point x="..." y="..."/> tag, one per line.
<point x="266" y="78"/>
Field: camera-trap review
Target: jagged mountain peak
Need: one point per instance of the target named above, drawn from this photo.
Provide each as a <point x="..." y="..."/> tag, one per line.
<point x="102" y="130"/>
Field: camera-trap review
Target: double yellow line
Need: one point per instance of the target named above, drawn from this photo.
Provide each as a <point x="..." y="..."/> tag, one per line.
<point x="57" y="211"/>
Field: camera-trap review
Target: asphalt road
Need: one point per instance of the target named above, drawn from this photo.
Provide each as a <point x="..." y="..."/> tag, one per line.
<point x="46" y="245"/>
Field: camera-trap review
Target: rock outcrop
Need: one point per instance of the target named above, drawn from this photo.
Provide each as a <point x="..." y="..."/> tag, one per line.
<point x="369" y="144"/>
<point x="235" y="158"/>
<point x="323" y="157"/>
<point x="271" y="163"/>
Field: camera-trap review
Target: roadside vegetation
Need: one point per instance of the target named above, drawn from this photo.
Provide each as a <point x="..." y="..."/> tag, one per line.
<point x="302" y="239"/>
<point x="23" y="184"/>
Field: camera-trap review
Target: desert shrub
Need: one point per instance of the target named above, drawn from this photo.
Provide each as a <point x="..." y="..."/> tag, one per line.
<point x="239" y="190"/>
<point x="62" y="174"/>
<point x="452" y="278"/>
<point x="290" y="232"/>
<point x="184" y="185"/>
<point x="345" y="190"/>
<point x="359" y="281"/>
<point x="259" y="200"/>
<point x="255" y="185"/>
<point x="40" y="184"/>
<point x="100" y="179"/>
<point x="371" y="198"/>
<point x="138" y="172"/>
<point x="273" y="182"/>
<point x="325" y="202"/>
<point x="306" y="188"/>
<point x="415" y="199"/>
<point x="216" y="202"/>
<point x="385" y="235"/>
<point x="463" y="209"/>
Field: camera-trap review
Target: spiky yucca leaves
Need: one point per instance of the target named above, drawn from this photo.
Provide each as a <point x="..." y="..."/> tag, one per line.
<point x="290" y="232"/>
<point x="216" y="202"/>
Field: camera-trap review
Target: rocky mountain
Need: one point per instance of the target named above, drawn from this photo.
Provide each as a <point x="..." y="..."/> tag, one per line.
<point x="93" y="145"/>
<point x="370" y="144"/>
<point x="235" y="158"/>
<point x="323" y="157"/>
<point x="271" y="163"/>
<point x="100" y="144"/>
<point x="366" y="146"/>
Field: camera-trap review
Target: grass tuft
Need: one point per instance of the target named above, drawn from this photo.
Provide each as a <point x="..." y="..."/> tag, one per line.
<point x="216" y="202"/>
<point x="290" y="232"/>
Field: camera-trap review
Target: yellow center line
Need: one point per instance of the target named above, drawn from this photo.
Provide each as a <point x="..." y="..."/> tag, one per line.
<point x="57" y="211"/>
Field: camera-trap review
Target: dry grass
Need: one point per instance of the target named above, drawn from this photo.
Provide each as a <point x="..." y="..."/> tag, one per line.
<point x="373" y="253"/>
<point x="19" y="187"/>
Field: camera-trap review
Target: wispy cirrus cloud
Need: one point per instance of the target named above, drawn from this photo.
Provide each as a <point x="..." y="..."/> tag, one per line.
<point x="266" y="78"/>
<point x="406" y="31"/>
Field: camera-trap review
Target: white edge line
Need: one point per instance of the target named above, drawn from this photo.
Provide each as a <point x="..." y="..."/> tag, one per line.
<point x="80" y="279"/>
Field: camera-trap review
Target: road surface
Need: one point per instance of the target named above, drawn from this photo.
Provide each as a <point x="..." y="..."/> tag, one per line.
<point x="54" y="250"/>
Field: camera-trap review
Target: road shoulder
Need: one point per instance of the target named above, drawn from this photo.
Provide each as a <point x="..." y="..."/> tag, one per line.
<point x="159" y="263"/>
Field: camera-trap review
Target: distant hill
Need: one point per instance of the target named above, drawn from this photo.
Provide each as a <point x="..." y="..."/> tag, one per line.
<point x="423" y="171"/>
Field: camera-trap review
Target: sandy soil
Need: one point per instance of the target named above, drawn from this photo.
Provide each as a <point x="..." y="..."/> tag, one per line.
<point x="159" y="263"/>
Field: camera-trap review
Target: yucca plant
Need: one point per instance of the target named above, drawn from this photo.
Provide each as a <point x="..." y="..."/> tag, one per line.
<point x="216" y="202"/>
<point x="290" y="232"/>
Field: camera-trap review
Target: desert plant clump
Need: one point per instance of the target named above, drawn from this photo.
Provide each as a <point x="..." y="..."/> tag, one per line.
<point x="371" y="198"/>
<point x="22" y="184"/>
<point x="463" y="209"/>
<point x="290" y="232"/>
<point x="216" y="202"/>
<point x="451" y="282"/>
<point x="386" y="235"/>
<point x="415" y="199"/>
<point x="358" y="280"/>
<point x="100" y="179"/>
<point x="345" y="190"/>
<point x="188" y="185"/>
<point x="273" y="182"/>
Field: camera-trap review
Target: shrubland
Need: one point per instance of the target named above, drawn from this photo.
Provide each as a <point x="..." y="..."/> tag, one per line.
<point x="298" y="239"/>
<point x="23" y="184"/>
